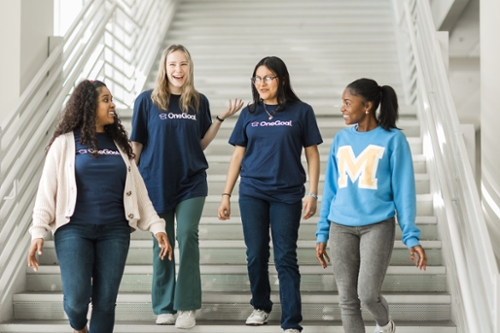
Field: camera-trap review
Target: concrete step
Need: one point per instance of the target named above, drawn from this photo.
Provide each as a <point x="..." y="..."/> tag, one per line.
<point x="218" y="164"/>
<point x="218" y="182"/>
<point x="234" y="278"/>
<point x="212" y="203"/>
<point x="234" y="306"/>
<point x="209" y="326"/>
<point x="220" y="145"/>
<point x="233" y="252"/>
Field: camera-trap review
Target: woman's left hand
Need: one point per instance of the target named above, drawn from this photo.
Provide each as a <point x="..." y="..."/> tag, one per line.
<point x="164" y="244"/>
<point x="234" y="106"/>
<point x="309" y="207"/>
<point x="421" y="262"/>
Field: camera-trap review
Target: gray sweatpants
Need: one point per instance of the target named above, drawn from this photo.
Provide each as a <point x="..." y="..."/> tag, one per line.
<point x="360" y="257"/>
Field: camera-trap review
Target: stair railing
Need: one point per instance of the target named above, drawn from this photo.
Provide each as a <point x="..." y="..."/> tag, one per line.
<point x="473" y="274"/>
<point x="115" y="41"/>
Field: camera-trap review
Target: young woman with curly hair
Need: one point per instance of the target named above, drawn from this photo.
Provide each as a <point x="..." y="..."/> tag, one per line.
<point x="171" y="127"/>
<point x="91" y="196"/>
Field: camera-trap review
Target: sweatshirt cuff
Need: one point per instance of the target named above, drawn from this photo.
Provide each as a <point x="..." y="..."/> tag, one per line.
<point x="411" y="242"/>
<point x="37" y="232"/>
<point x="321" y="239"/>
<point x="157" y="227"/>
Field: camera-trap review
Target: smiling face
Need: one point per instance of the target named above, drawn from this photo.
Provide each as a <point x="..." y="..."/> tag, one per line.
<point x="105" y="113"/>
<point x="177" y="69"/>
<point x="354" y="109"/>
<point x="268" y="91"/>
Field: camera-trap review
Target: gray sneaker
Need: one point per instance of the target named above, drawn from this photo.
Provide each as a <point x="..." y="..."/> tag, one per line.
<point x="258" y="317"/>
<point x="292" y="330"/>
<point x="185" y="319"/>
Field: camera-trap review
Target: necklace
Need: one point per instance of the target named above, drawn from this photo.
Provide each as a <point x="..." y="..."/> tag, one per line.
<point x="271" y="115"/>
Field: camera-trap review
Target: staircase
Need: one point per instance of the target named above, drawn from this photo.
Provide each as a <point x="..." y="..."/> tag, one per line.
<point x="326" y="44"/>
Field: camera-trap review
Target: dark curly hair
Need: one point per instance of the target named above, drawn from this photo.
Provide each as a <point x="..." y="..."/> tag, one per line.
<point x="80" y="113"/>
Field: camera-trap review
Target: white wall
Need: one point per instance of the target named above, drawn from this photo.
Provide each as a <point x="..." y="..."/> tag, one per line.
<point x="464" y="72"/>
<point x="490" y="118"/>
<point x="25" y="27"/>
<point x="10" y="39"/>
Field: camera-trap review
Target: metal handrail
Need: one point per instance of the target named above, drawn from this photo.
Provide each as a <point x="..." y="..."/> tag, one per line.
<point x="472" y="265"/>
<point x="87" y="48"/>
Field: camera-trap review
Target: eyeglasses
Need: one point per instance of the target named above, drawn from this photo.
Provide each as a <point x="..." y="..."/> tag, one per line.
<point x="267" y="79"/>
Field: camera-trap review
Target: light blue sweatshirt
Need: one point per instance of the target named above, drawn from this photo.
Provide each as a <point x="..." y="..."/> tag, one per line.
<point x="369" y="177"/>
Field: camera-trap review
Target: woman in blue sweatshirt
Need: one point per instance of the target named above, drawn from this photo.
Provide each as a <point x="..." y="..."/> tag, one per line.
<point x="369" y="179"/>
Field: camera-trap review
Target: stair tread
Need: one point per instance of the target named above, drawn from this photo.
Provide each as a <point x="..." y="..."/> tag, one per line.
<point x="242" y="297"/>
<point x="242" y="269"/>
<point x="206" y="326"/>
<point x="134" y="243"/>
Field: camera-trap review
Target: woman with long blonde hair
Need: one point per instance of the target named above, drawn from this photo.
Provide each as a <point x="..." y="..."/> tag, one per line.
<point x="171" y="127"/>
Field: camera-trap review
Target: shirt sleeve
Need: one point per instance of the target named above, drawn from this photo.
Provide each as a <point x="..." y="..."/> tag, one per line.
<point x="238" y="136"/>
<point x="140" y="119"/>
<point x="329" y="193"/>
<point x="311" y="134"/>
<point x="205" y="116"/>
<point x="403" y="187"/>
<point x="149" y="219"/>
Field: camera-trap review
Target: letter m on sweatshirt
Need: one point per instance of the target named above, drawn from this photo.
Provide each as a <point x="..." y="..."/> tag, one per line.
<point x="363" y="167"/>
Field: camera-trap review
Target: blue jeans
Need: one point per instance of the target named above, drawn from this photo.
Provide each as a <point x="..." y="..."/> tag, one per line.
<point x="360" y="258"/>
<point x="92" y="259"/>
<point x="258" y="216"/>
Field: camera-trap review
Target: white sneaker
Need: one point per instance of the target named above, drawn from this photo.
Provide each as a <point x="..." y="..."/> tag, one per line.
<point x="165" y="319"/>
<point x="258" y="317"/>
<point x="292" y="330"/>
<point x="389" y="328"/>
<point x="185" y="319"/>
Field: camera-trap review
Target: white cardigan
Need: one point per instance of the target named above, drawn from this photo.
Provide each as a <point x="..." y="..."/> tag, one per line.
<point x="56" y="196"/>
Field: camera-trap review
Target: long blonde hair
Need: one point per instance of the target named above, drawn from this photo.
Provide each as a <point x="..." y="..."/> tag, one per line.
<point x="161" y="95"/>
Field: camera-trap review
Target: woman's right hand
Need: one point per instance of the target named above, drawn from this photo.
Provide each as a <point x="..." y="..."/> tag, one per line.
<point x="164" y="244"/>
<point x="321" y="254"/>
<point x="35" y="247"/>
<point x="224" y="211"/>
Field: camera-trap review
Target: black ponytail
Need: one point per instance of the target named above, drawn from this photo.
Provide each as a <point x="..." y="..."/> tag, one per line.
<point x="385" y="96"/>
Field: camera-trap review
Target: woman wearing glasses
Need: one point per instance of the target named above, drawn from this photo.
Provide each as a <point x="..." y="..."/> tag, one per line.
<point x="171" y="127"/>
<point x="268" y="139"/>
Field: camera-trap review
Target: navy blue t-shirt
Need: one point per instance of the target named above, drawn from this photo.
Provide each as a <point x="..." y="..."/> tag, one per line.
<point x="172" y="161"/>
<point x="100" y="182"/>
<point x="271" y="168"/>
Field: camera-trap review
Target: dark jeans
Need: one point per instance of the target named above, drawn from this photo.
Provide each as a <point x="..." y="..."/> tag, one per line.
<point x="360" y="257"/>
<point x="257" y="216"/>
<point x="92" y="260"/>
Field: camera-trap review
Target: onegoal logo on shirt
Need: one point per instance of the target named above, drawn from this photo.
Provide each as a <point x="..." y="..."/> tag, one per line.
<point x="271" y="123"/>
<point x="165" y="116"/>
<point x="100" y="152"/>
